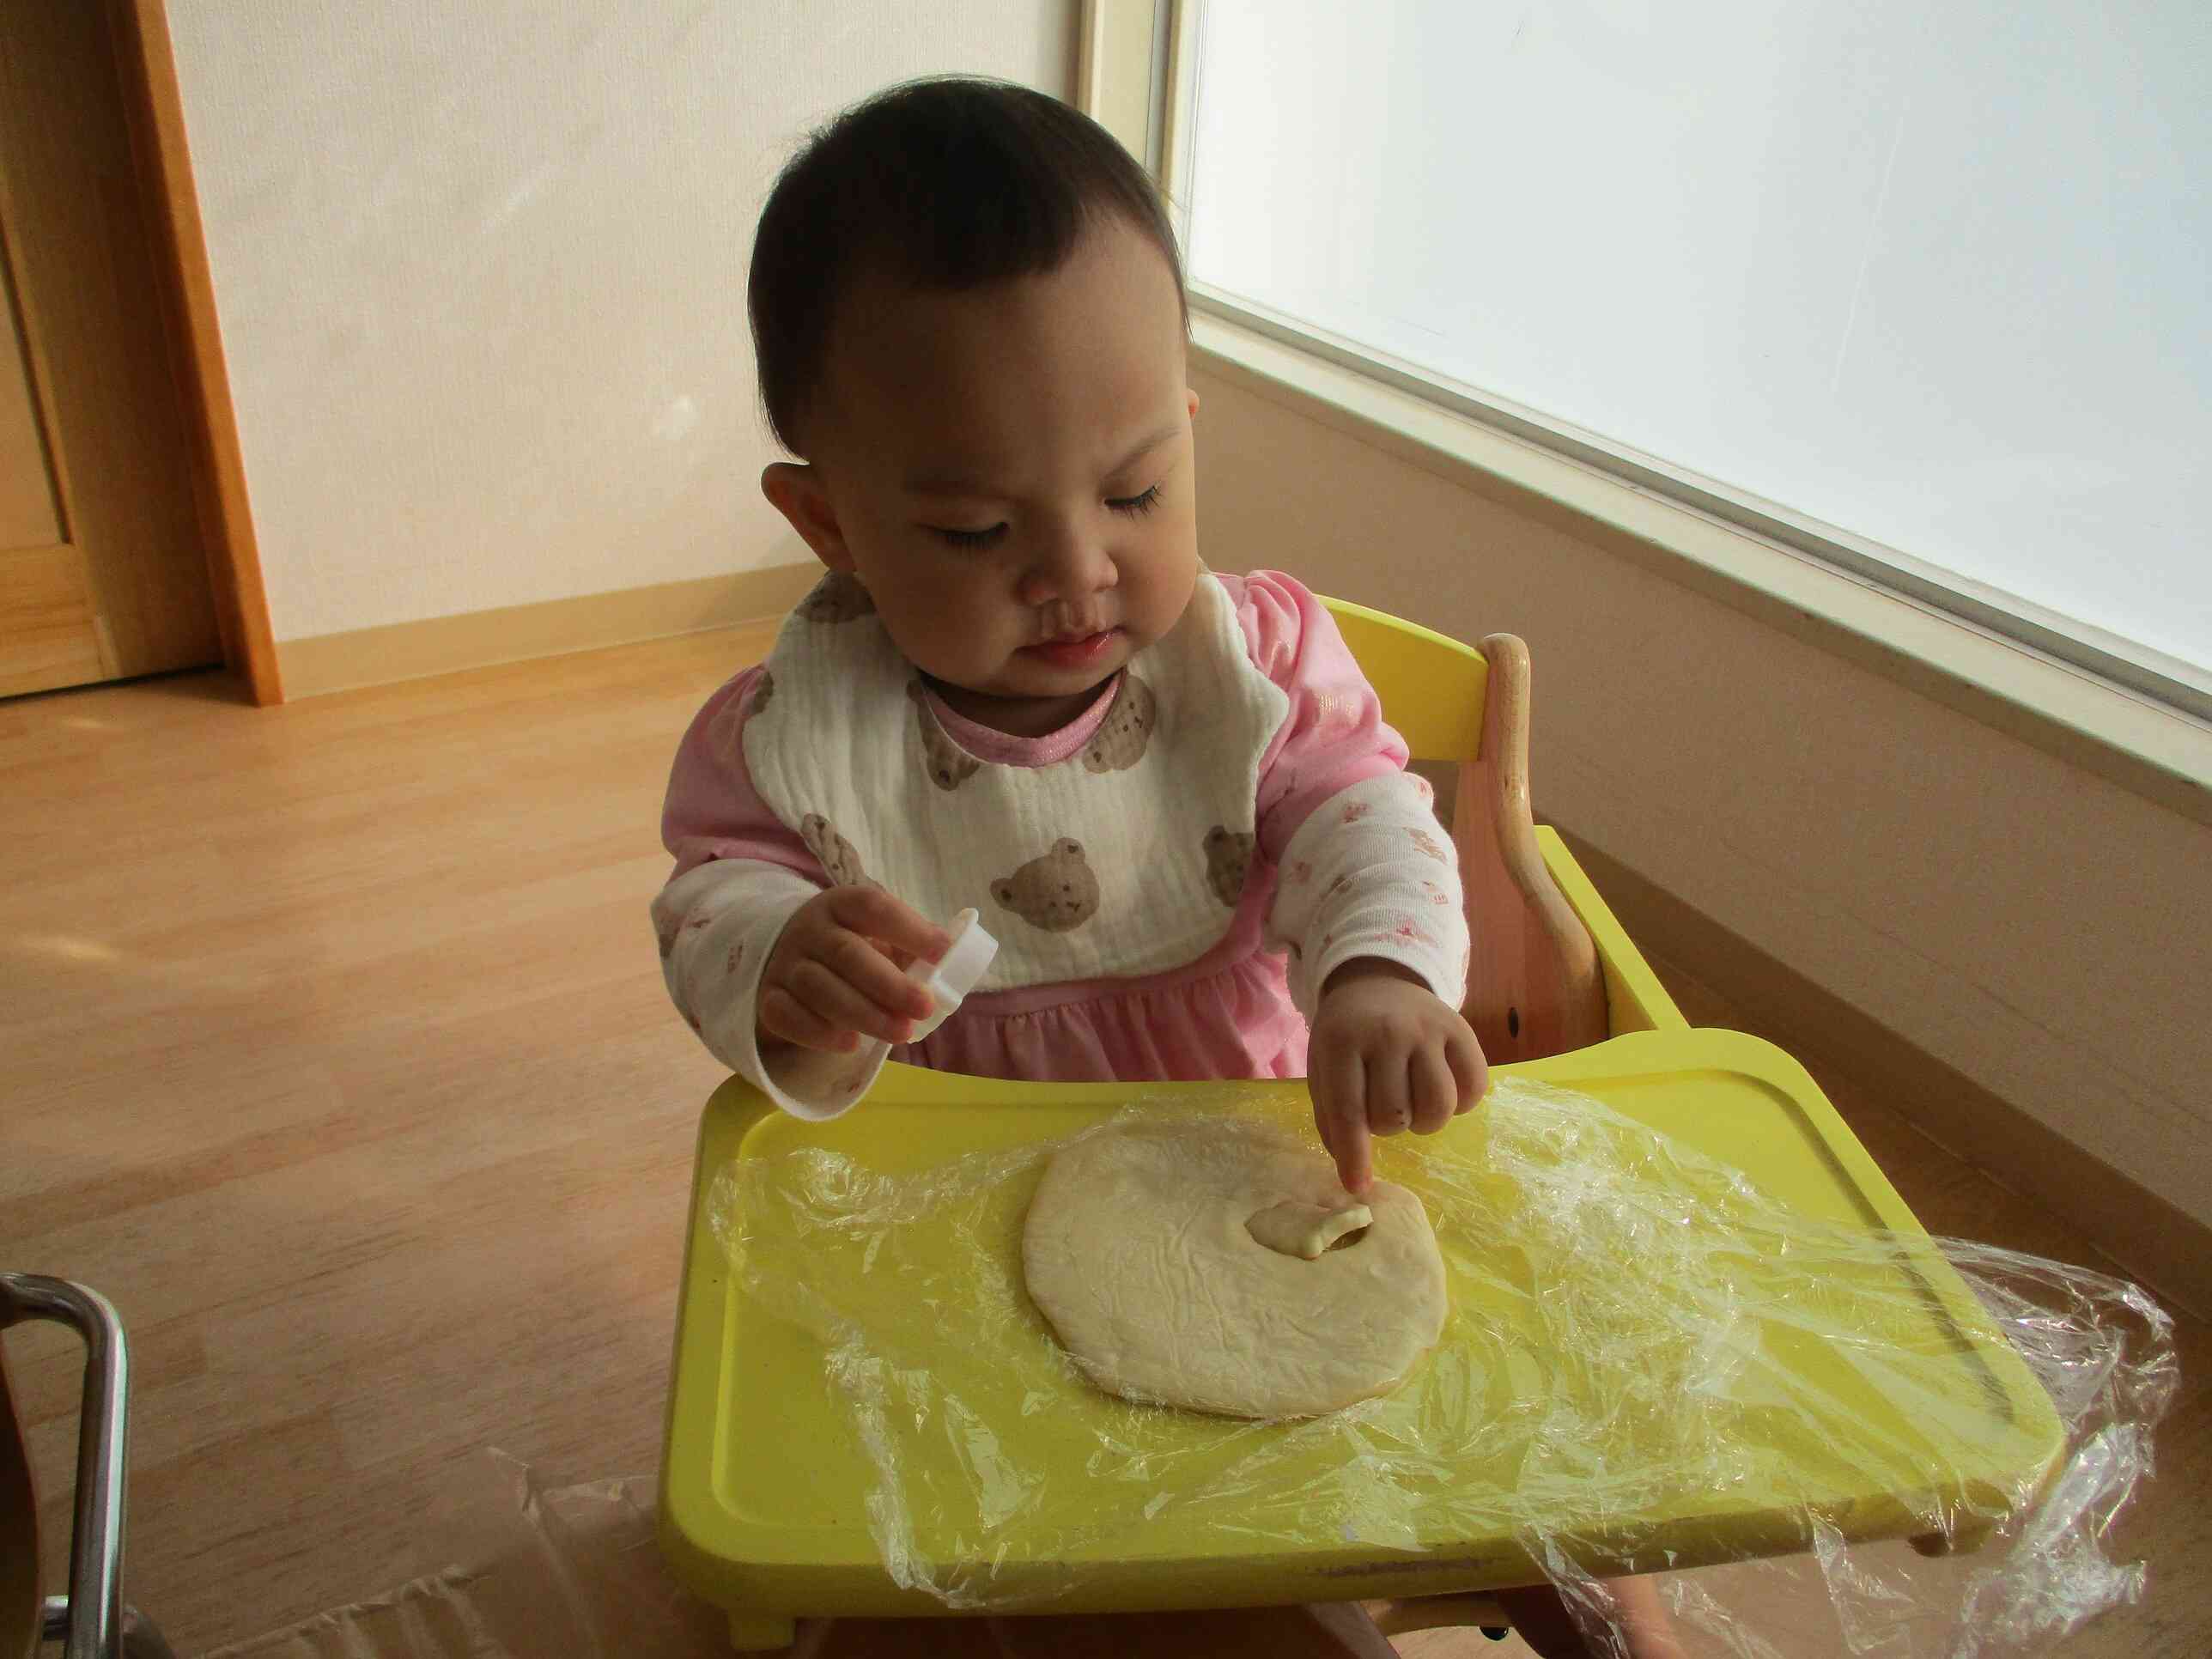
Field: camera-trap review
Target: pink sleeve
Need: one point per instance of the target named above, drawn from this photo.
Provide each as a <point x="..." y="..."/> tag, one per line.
<point x="1333" y="737"/>
<point x="712" y="810"/>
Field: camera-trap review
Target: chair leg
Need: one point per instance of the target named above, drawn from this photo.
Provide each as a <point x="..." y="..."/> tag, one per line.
<point x="1438" y="1613"/>
<point x="142" y="1637"/>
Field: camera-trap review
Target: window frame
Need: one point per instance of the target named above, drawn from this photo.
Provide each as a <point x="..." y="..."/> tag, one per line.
<point x="1139" y="75"/>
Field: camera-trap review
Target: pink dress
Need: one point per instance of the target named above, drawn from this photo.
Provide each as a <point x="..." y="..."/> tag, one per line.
<point x="1232" y="1012"/>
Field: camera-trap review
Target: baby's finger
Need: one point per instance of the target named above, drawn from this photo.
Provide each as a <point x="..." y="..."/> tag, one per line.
<point x="822" y="993"/>
<point x="862" y="965"/>
<point x="877" y="914"/>
<point x="782" y="1015"/>
<point x="1435" y="1091"/>
<point x="1353" y="1150"/>
<point x="1470" y="1071"/>
<point x="1339" y="1088"/>
<point x="1388" y="1110"/>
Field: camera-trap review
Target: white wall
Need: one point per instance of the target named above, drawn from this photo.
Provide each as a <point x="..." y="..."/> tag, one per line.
<point x="480" y="270"/>
<point x="2044" y="931"/>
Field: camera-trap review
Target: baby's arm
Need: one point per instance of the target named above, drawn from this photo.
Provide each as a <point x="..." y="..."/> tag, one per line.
<point x="1368" y="902"/>
<point x="718" y="924"/>
<point x="1370" y="877"/>
<point x="779" y="977"/>
<point x="1367" y="898"/>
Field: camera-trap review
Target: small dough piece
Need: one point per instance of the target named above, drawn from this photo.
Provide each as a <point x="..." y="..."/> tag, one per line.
<point x="1296" y="1228"/>
<point x="1140" y="1251"/>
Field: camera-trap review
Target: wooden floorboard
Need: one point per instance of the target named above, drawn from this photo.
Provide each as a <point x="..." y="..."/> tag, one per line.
<point x="333" y="1050"/>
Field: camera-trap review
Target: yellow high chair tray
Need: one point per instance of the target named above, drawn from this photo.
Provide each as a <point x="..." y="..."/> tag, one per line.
<point x="765" y="1485"/>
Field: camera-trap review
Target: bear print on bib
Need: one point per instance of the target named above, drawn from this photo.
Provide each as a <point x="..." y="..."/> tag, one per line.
<point x="949" y="765"/>
<point x="1056" y="891"/>
<point x="1119" y="742"/>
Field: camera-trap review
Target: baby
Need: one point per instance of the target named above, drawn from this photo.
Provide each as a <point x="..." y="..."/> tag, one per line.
<point x="1169" y="792"/>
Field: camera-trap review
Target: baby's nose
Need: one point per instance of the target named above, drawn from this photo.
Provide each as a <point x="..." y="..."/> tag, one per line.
<point x="1075" y="567"/>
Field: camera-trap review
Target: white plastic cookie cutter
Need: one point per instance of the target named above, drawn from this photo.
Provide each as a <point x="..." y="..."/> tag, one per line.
<point x="954" y="974"/>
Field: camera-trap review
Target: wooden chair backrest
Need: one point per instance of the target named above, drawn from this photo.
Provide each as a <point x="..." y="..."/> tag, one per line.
<point x="1534" y="987"/>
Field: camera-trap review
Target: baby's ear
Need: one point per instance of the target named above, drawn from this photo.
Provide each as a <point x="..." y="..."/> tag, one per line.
<point x="795" y="490"/>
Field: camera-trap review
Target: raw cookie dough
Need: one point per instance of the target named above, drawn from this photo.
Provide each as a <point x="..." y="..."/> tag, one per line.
<point x="1296" y="1228"/>
<point x="1138" y="1252"/>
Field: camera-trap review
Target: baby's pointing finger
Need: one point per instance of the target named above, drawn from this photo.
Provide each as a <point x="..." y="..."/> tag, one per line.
<point x="1338" y="1087"/>
<point x="1355" y="1156"/>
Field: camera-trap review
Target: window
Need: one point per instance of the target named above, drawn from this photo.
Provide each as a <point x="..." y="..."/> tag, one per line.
<point x="1925" y="290"/>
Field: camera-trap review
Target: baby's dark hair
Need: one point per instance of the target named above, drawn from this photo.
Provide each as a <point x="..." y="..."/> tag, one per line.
<point x="944" y="183"/>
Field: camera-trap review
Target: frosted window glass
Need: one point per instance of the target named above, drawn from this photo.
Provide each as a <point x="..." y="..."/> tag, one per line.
<point x="1939" y="274"/>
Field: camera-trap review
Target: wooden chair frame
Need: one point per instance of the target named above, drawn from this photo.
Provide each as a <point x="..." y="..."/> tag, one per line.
<point x="1535" y="985"/>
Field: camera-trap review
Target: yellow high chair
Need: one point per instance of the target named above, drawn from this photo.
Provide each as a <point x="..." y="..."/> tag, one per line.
<point x="768" y="1520"/>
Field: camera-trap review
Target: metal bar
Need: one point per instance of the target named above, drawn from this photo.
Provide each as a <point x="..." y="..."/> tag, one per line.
<point x="93" y="1611"/>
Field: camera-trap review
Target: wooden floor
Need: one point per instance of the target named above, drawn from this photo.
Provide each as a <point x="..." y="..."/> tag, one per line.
<point x="333" y="1049"/>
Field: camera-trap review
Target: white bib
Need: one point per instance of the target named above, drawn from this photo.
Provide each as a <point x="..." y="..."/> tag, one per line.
<point x="1125" y="858"/>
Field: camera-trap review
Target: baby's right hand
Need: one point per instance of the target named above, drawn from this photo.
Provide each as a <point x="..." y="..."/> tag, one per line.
<point x="832" y="978"/>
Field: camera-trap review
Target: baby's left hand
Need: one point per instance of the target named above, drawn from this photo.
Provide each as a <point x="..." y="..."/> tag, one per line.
<point x="1386" y="1055"/>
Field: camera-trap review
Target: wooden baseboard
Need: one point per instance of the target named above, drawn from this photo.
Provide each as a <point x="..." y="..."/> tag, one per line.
<point x="519" y="633"/>
<point x="2158" y="1243"/>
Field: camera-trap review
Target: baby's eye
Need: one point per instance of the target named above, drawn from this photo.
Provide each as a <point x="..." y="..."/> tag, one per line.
<point x="967" y="538"/>
<point x="1136" y="506"/>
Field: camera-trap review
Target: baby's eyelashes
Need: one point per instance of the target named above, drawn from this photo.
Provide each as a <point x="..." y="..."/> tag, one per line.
<point x="1134" y="506"/>
<point x="957" y="538"/>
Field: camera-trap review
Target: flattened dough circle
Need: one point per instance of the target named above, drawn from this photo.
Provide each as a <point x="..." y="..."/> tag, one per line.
<point x="1137" y="1251"/>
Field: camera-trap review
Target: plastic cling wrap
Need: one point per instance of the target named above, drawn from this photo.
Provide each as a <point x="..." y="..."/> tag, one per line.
<point x="1647" y="1366"/>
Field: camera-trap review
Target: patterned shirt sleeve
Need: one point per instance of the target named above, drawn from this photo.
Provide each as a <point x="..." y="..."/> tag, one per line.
<point x="1372" y="874"/>
<point x="1364" y="869"/>
<point x="739" y="877"/>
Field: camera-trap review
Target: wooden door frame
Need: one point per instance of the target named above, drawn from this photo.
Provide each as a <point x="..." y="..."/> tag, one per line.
<point x="147" y="70"/>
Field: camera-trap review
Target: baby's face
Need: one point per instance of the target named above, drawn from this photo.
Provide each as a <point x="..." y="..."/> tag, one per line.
<point x="1010" y="471"/>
